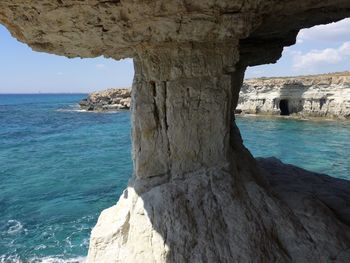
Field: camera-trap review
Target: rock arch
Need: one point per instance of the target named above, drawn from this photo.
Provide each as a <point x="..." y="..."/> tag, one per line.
<point x="197" y="195"/>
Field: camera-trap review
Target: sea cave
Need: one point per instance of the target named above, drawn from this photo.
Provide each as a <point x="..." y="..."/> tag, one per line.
<point x="196" y="194"/>
<point x="284" y="108"/>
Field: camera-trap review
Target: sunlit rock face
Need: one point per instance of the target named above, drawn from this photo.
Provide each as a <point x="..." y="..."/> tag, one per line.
<point x="196" y="194"/>
<point x="325" y="95"/>
<point x="107" y="100"/>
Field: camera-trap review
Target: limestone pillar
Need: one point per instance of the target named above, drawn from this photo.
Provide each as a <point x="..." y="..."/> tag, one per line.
<point x="182" y="109"/>
<point x="196" y="194"/>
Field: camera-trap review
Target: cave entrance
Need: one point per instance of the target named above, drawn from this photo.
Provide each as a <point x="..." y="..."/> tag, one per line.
<point x="284" y="107"/>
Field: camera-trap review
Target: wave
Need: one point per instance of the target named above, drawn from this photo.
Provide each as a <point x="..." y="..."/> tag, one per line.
<point x="14" y="227"/>
<point x="48" y="259"/>
<point x="89" y="111"/>
<point x="71" y="110"/>
<point x="76" y="108"/>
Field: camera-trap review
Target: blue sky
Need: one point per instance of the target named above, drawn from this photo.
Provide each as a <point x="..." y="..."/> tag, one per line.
<point x="320" y="49"/>
<point x="25" y="71"/>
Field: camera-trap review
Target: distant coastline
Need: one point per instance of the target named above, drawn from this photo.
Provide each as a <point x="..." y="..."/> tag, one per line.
<point x="325" y="96"/>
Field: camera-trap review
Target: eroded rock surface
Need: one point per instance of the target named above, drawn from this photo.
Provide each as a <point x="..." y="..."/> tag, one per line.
<point x="196" y="195"/>
<point x="107" y="100"/>
<point x="122" y="28"/>
<point x="297" y="186"/>
<point x="325" y="95"/>
<point x="173" y="221"/>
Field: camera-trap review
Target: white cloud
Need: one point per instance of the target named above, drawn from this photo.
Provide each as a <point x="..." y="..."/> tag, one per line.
<point x="290" y="51"/>
<point x="334" y="32"/>
<point x="311" y="61"/>
<point x="320" y="49"/>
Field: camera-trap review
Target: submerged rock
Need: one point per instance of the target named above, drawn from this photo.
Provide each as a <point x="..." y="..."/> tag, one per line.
<point x="106" y="100"/>
<point x="326" y="95"/>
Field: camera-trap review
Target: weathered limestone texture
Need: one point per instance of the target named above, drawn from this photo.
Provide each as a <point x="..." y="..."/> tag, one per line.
<point x="239" y="234"/>
<point x="107" y="100"/>
<point x="197" y="195"/>
<point x="325" y="95"/>
<point x="180" y="98"/>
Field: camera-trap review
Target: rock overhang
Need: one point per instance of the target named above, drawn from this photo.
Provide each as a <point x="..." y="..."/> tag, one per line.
<point x="194" y="182"/>
<point x="120" y="28"/>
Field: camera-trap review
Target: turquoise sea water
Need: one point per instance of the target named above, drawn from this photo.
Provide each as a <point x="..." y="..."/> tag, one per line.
<point x="60" y="167"/>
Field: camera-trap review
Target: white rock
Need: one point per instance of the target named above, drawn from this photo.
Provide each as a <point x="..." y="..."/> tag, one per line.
<point x="317" y="96"/>
<point x="198" y="195"/>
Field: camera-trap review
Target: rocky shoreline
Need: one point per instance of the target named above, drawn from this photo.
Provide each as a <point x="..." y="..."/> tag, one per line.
<point x="107" y="100"/>
<point x="326" y="96"/>
<point x="196" y="193"/>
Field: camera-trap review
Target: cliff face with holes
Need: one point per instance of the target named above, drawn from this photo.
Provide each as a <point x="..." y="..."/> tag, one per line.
<point x="325" y="95"/>
<point x="196" y="195"/>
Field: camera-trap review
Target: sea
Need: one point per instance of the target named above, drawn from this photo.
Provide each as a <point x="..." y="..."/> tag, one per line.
<point x="60" y="167"/>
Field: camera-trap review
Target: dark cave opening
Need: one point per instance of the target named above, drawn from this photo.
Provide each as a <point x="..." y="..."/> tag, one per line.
<point x="284" y="107"/>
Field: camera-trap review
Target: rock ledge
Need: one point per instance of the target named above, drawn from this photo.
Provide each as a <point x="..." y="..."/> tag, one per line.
<point x="107" y="100"/>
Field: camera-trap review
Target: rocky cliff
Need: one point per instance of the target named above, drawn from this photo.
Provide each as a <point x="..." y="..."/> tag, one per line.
<point x="196" y="194"/>
<point x="326" y="95"/>
<point x="107" y="100"/>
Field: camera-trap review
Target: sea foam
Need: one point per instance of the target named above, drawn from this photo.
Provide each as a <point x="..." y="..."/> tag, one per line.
<point x="49" y="259"/>
<point x="14" y="227"/>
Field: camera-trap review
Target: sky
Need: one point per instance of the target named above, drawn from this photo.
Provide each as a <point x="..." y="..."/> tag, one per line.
<point x="320" y="49"/>
<point x="25" y="71"/>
